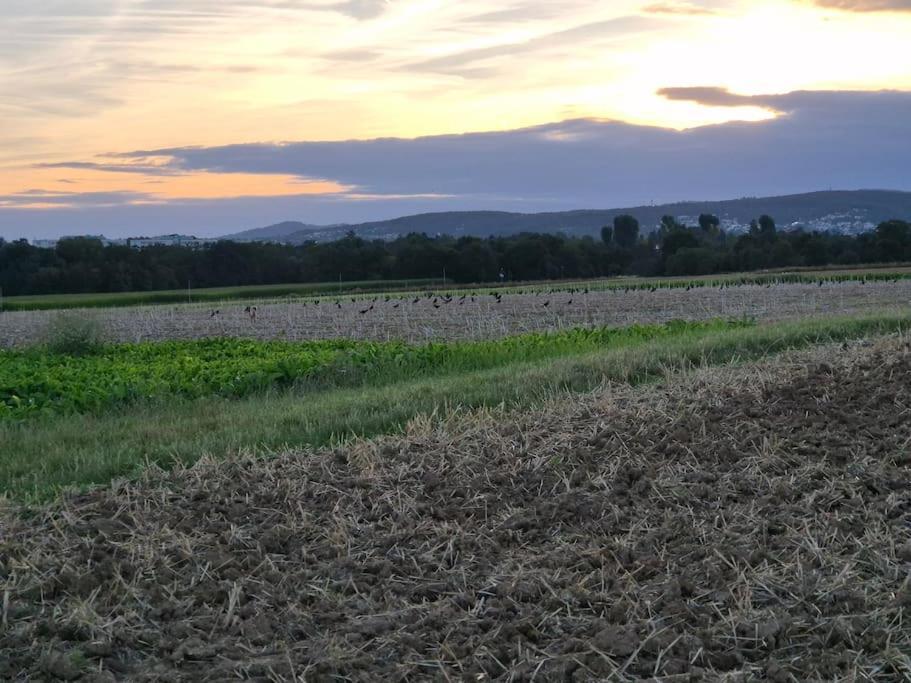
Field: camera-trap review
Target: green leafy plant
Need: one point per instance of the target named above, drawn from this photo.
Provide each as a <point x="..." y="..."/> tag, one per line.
<point x="74" y="334"/>
<point x="77" y="374"/>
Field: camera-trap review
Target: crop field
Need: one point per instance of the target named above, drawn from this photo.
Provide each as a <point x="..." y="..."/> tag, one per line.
<point x="216" y="295"/>
<point x="667" y="481"/>
<point x="482" y="314"/>
<point x="738" y="523"/>
<point x="36" y="383"/>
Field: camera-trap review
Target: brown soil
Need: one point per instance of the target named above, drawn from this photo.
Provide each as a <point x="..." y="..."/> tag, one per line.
<point x="746" y="524"/>
<point x="483" y="318"/>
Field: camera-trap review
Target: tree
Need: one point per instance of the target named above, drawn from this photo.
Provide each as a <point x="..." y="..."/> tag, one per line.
<point x="767" y="231"/>
<point x="895" y="231"/>
<point x="678" y="238"/>
<point x="607" y="234"/>
<point x="893" y="240"/>
<point x="626" y="231"/>
<point x="709" y="223"/>
<point x="669" y="224"/>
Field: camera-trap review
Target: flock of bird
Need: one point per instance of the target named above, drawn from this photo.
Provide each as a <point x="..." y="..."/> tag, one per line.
<point x="440" y="299"/>
<point x="436" y="299"/>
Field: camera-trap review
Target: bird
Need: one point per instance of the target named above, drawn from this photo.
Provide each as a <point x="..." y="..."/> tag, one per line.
<point x="546" y="303"/>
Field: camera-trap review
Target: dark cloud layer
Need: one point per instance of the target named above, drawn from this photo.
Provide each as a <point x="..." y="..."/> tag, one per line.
<point x="587" y="158"/>
<point x="844" y="140"/>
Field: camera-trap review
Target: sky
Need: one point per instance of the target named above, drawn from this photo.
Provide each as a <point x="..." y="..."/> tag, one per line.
<point x="140" y="117"/>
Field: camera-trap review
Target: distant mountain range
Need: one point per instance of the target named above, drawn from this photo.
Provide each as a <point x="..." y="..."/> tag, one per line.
<point x="848" y="212"/>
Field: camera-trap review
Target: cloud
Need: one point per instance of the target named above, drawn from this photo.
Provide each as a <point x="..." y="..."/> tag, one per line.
<point x="46" y="200"/>
<point x="845" y="139"/>
<point x="684" y="8"/>
<point x="867" y="5"/>
<point x="362" y="9"/>
<point x="590" y="32"/>
<point x="139" y="168"/>
<point x="710" y="97"/>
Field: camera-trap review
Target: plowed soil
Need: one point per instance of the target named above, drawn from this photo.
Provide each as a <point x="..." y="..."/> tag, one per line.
<point x="739" y="524"/>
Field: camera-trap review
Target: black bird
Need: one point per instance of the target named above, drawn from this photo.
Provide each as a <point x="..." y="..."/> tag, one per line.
<point x="395" y="306"/>
<point x="338" y="304"/>
<point x="436" y="305"/>
<point x="546" y="304"/>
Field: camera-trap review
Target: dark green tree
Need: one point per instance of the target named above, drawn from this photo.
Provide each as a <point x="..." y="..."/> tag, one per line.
<point x="709" y="223"/>
<point x="626" y="231"/>
<point x="767" y="230"/>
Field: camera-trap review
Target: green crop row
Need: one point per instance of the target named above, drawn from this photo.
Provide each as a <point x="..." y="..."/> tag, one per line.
<point x="35" y="383"/>
<point x="211" y="294"/>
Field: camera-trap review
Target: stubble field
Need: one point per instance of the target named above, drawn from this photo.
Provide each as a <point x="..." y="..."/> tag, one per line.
<point x="206" y="499"/>
<point x="460" y="315"/>
<point x="737" y="524"/>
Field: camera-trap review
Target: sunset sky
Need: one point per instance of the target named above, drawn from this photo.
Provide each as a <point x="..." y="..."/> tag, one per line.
<point x="130" y="117"/>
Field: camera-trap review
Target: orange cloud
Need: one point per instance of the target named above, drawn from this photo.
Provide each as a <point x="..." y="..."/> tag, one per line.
<point x="44" y="188"/>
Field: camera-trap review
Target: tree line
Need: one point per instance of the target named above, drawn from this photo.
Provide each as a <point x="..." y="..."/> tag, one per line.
<point x="80" y="265"/>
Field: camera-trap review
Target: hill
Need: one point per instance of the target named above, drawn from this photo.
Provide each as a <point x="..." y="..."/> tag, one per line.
<point x="840" y="211"/>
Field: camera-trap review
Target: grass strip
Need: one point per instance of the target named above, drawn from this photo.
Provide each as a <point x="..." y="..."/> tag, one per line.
<point x="39" y="384"/>
<point x="38" y="459"/>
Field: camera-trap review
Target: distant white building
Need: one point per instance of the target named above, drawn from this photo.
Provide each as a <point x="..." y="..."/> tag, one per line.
<point x="168" y="241"/>
<point x="44" y="244"/>
<point x="52" y="243"/>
